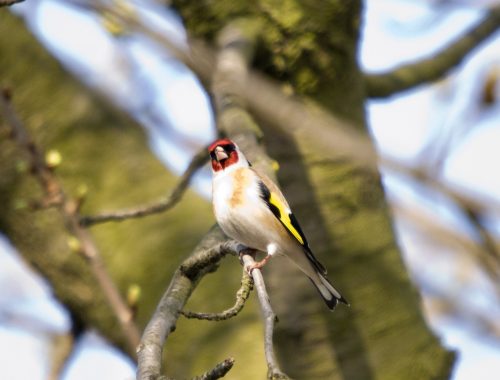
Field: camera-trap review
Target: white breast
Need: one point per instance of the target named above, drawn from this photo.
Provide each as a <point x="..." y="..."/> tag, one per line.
<point x="238" y="209"/>
<point x="222" y="190"/>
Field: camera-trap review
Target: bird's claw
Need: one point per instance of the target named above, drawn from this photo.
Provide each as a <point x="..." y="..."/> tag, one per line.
<point x="257" y="265"/>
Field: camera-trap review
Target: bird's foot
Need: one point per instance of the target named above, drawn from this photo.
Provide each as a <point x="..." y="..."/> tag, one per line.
<point x="257" y="265"/>
<point x="252" y="252"/>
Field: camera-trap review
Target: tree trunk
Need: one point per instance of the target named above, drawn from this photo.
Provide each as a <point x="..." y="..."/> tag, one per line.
<point x="311" y="47"/>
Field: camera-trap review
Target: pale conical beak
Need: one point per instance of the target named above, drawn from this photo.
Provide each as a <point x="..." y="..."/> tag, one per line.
<point x="220" y="154"/>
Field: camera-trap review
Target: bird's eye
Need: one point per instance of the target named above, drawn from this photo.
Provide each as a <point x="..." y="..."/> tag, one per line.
<point x="229" y="148"/>
<point x="212" y="155"/>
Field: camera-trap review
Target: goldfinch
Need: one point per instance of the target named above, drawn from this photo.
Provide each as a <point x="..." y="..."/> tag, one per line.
<point x="251" y="209"/>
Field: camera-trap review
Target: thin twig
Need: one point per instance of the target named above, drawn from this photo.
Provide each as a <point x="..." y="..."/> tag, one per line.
<point x="68" y="208"/>
<point x="198" y="160"/>
<point x="241" y="297"/>
<point x="433" y="68"/>
<point x="203" y="260"/>
<point x="220" y="370"/>
<point x="274" y="371"/>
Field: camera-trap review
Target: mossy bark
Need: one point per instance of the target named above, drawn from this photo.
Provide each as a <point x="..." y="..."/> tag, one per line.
<point x="311" y="48"/>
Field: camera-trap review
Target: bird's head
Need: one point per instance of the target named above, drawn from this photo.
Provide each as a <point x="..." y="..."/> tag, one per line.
<point x="224" y="154"/>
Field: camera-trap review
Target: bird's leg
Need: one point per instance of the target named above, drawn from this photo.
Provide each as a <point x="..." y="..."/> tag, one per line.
<point x="258" y="264"/>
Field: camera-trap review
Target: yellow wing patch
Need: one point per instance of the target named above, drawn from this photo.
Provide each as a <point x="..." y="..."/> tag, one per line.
<point x="284" y="217"/>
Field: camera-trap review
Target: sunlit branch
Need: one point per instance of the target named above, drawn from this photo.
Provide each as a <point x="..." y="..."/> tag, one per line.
<point x="81" y="241"/>
<point x="203" y="260"/>
<point x="163" y="205"/>
<point x="435" y="67"/>
<point x="241" y="297"/>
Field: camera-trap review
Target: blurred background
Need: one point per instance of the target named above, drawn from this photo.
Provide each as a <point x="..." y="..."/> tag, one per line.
<point x="451" y="127"/>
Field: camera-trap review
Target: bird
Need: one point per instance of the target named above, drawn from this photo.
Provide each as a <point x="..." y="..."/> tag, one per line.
<point x="251" y="209"/>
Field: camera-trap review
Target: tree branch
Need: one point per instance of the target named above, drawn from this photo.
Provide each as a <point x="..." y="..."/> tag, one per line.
<point x="7" y="3"/>
<point x="433" y="68"/>
<point x="80" y="240"/>
<point x="241" y="297"/>
<point x="270" y="318"/>
<point x="220" y="370"/>
<point x="203" y="260"/>
<point x="165" y="204"/>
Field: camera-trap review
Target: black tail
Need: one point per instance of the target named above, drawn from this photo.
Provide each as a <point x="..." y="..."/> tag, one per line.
<point x="330" y="295"/>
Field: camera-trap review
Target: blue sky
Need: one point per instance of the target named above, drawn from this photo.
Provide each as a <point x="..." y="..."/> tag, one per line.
<point x="173" y="109"/>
